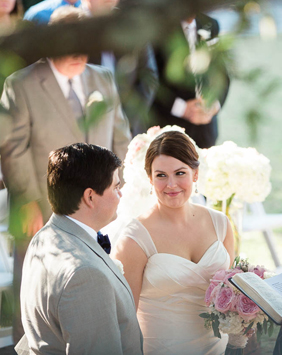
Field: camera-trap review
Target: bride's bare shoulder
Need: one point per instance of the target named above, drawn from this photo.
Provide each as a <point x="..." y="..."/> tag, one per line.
<point x="148" y="217"/>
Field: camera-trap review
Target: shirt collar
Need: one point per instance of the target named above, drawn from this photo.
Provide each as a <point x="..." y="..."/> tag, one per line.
<point x="191" y="26"/>
<point x="87" y="229"/>
<point x="59" y="76"/>
<point x="63" y="79"/>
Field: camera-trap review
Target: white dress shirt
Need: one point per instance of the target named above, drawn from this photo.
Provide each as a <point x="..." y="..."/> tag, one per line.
<point x="63" y="82"/>
<point x="190" y="32"/>
<point x="87" y="229"/>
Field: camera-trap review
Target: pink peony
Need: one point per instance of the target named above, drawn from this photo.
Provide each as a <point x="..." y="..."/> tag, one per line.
<point x="259" y="270"/>
<point x="153" y="131"/>
<point x="234" y="303"/>
<point x="246" y="308"/>
<point x="230" y="274"/>
<point x="209" y="291"/>
<point x="224" y="299"/>
<point x="219" y="277"/>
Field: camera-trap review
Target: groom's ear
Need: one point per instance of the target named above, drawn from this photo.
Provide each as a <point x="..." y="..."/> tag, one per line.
<point x="89" y="197"/>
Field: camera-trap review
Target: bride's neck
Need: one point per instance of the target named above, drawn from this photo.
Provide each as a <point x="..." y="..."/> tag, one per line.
<point x="176" y="215"/>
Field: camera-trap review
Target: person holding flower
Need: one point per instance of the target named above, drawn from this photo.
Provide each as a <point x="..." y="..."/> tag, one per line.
<point x="171" y="252"/>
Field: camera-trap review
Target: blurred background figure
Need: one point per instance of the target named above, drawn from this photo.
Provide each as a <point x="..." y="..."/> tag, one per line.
<point x="179" y="99"/>
<point x="10" y="12"/>
<point x="135" y="72"/>
<point x="41" y="12"/>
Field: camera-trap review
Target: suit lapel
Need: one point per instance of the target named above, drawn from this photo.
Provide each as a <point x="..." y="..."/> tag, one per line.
<point x="52" y="89"/>
<point x="85" y="81"/>
<point x="72" y="228"/>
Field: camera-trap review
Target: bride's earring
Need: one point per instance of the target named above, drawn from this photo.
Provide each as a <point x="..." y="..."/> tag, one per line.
<point x="151" y="191"/>
<point x="196" y="187"/>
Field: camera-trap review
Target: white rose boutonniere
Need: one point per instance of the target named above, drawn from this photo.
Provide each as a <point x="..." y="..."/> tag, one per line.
<point x="119" y="265"/>
<point x="96" y="96"/>
<point x="95" y="109"/>
<point x="204" y="34"/>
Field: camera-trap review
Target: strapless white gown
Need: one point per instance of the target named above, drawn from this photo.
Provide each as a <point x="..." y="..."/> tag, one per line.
<point x="172" y="295"/>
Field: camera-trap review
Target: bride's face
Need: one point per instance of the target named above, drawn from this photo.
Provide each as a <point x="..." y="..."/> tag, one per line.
<point x="172" y="180"/>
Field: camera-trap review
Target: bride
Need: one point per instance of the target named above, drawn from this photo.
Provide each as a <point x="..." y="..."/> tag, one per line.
<point x="171" y="252"/>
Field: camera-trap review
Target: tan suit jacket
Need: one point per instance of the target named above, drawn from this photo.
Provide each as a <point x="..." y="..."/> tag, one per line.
<point x="43" y="121"/>
<point x="74" y="299"/>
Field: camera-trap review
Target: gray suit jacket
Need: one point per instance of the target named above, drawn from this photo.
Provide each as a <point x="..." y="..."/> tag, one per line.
<point x="43" y="121"/>
<point x="74" y="299"/>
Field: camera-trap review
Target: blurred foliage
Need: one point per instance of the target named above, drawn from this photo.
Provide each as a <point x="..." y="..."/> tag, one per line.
<point x="256" y="113"/>
<point x="6" y="307"/>
<point x="131" y="28"/>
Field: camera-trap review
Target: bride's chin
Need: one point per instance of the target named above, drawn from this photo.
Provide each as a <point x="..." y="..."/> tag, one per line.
<point x="173" y="204"/>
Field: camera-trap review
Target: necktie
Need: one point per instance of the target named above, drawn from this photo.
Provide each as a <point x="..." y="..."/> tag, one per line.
<point x="74" y="102"/>
<point x="104" y="241"/>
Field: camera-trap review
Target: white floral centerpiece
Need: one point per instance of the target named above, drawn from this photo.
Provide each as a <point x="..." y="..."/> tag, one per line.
<point x="228" y="171"/>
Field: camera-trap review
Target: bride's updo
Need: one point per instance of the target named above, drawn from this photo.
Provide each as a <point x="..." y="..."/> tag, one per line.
<point x="173" y="144"/>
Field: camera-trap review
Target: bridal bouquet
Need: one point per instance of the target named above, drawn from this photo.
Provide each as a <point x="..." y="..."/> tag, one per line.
<point x="230" y="311"/>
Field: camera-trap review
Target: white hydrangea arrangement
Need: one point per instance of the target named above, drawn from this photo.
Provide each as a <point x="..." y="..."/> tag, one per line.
<point x="228" y="170"/>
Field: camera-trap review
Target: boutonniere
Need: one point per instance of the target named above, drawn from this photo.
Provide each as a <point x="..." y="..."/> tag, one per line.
<point x="204" y="34"/>
<point x="119" y="265"/>
<point x="96" y="96"/>
<point x="96" y="107"/>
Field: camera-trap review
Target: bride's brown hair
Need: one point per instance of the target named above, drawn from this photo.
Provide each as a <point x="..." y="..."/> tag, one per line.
<point x="173" y="144"/>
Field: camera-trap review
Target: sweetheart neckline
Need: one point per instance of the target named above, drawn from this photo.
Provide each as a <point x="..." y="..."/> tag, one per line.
<point x="181" y="257"/>
<point x="175" y="254"/>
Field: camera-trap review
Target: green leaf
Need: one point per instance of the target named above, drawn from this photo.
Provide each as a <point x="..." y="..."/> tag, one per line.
<point x="236" y="261"/>
<point x="205" y="315"/>
<point x="259" y="331"/>
<point x="265" y="326"/>
<point x="270" y="329"/>
<point x="215" y="325"/>
<point x="272" y="87"/>
<point x="248" y="328"/>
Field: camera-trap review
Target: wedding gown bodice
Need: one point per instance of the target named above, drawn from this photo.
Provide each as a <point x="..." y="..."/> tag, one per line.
<point x="173" y="292"/>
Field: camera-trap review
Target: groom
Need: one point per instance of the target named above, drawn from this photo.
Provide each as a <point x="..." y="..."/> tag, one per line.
<point x="74" y="299"/>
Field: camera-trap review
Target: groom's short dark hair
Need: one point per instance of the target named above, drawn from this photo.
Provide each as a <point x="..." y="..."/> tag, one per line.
<point x="73" y="169"/>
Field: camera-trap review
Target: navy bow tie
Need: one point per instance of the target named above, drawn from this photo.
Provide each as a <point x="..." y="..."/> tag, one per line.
<point x="104" y="241"/>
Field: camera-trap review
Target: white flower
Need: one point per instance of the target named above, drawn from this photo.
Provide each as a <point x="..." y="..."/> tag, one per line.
<point x="238" y="340"/>
<point x="96" y="96"/>
<point x="119" y="265"/>
<point x="231" y="323"/>
<point x="229" y="169"/>
<point x="204" y="34"/>
<point x="199" y="61"/>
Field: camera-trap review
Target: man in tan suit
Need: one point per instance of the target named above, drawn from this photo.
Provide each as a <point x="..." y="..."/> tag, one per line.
<point x="74" y="298"/>
<point x="49" y="102"/>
